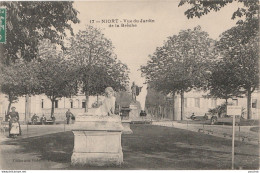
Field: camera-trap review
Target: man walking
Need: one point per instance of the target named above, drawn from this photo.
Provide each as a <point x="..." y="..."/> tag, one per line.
<point x="68" y="115"/>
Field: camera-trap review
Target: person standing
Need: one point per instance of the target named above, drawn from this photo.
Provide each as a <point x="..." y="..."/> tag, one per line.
<point x="13" y="117"/>
<point x="68" y="116"/>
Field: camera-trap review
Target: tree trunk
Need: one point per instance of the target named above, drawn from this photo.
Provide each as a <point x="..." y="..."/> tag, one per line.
<point x="52" y="107"/>
<point x="249" y="113"/>
<point x="87" y="99"/>
<point x="173" y="106"/>
<point x="182" y="104"/>
<point x="9" y="106"/>
<point x="26" y="107"/>
<point x="226" y="106"/>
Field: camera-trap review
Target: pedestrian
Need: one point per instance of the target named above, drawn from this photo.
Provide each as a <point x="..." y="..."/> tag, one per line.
<point x="72" y="119"/>
<point x="14" y="125"/>
<point x="68" y="116"/>
<point x="193" y="116"/>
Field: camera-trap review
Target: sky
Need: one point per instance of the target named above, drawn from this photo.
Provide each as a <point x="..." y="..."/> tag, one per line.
<point x="133" y="45"/>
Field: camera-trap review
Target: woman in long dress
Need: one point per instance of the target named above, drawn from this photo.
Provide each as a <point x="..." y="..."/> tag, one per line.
<point x="14" y="125"/>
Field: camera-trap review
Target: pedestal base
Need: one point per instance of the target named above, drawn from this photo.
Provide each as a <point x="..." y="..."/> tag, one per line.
<point x="126" y="125"/>
<point x="134" y="114"/>
<point x="97" y="141"/>
<point x="97" y="159"/>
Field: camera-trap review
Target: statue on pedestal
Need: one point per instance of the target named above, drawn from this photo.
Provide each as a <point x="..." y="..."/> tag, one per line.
<point x="108" y="104"/>
<point x="133" y="88"/>
<point x="107" y="107"/>
<point x="97" y="135"/>
<point x="135" y="91"/>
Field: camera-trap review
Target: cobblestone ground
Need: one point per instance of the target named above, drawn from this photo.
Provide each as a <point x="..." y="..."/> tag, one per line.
<point x="149" y="147"/>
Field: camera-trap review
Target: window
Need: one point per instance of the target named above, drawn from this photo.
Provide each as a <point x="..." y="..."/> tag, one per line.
<point x="185" y="103"/>
<point x="254" y="103"/>
<point x="42" y="103"/>
<point x="197" y="102"/>
<point x="56" y="103"/>
<point x="235" y="102"/>
<point x="71" y="104"/>
<point x="213" y="103"/>
<point x="83" y="104"/>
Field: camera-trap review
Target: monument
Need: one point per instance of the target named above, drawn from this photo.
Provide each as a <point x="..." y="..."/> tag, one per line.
<point x="97" y="135"/>
<point x="135" y="107"/>
<point x="125" y="120"/>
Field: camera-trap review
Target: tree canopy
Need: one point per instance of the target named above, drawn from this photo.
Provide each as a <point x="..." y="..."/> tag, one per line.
<point x="97" y="65"/>
<point x="181" y="64"/>
<point x="203" y="7"/>
<point x="29" y="22"/>
<point x="17" y="80"/>
<point x="56" y="78"/>
<point x="239" y="47"/>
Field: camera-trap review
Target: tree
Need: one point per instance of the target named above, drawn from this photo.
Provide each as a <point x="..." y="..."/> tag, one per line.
<point x="240" y="43"/>
<point x="203" y="7"/>
<point x="30" y="22"/>
<point x="96" y="63"/>
<point x="239" y="47"/>
<point x="18" y="80"/>
<point x="181" y="64"/>
<point x="223" y="82"/>
<point x="56" y="78"/>
<point x="154" y="100"/>
<point x="123" y="98"/>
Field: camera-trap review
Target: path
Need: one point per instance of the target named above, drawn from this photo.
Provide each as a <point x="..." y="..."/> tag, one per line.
<point x="224" y="131"/>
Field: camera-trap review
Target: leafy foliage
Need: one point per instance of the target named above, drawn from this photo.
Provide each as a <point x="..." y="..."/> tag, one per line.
<point x="181" y="64"/>
<point x="154" y="99"/>
<point x="223" y="82"/>
<point x="219" y="110"/>
<point x="29" y="22"/>
<point x="18" y="80"/>
<point x="239" y="47"/>
<point x="203" y="7"/>
<point x="92" y="54"/>
<point x="123" y="98"/>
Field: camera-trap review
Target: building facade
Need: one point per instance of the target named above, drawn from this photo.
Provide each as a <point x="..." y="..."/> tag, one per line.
<point x="196" y="102"/>
<point x="41" y="104"/>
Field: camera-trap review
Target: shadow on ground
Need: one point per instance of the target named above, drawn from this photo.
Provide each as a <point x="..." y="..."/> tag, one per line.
<point x="152" y="147"/>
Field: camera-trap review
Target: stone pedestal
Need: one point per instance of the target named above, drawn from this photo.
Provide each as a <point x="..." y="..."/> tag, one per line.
<point x="134" y="114"/>
<point x="126" y="125"/>
<point x="125" y="120"/>
<point x="97" y="141"/>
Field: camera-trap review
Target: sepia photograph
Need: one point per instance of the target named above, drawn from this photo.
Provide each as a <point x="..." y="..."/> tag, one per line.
<point x="129" y="85"/>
